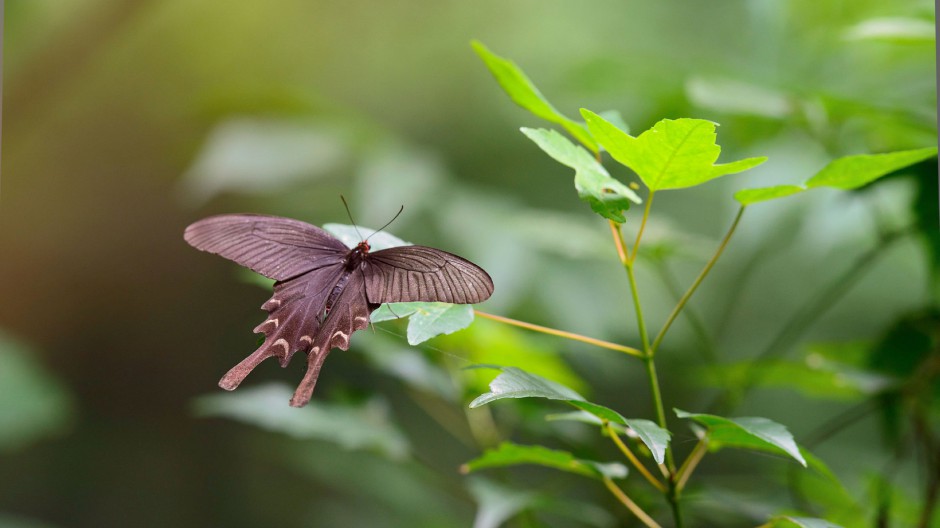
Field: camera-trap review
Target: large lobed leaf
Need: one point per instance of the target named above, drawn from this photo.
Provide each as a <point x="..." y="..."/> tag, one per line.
<point x="517" y="383"/>
<point x="607" y="196"/>
<point x="510" y="454"/>
<point x="524" y="93"/>
<point x="674" y="154"/>
<point x="748" y="433"/>
<point x="846" y="173"/>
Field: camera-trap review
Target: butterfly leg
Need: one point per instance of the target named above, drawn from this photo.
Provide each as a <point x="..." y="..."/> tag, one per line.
<point x="304" y="391"/>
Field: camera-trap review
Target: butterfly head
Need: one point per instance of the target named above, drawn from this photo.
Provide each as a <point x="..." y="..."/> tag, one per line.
<point x="363" y="247"/>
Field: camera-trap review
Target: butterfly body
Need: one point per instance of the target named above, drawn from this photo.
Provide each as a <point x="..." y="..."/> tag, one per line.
<point x="324" y="291"/>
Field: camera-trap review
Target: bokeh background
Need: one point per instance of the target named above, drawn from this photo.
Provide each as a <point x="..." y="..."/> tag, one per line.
<point x="125" y="120"/>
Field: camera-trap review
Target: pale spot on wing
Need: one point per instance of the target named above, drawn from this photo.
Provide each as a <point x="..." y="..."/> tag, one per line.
<point x="306" y="339"/>
<point x="283" y="343"/>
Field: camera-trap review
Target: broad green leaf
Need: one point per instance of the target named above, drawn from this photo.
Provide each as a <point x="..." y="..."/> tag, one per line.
<point x="426" y="319"/>
<point x="607" y="196"/>
<point x="510" y="454"/>
<point x="524" y="93"/>
<point x="788" y="521"/>
<point x="748" y="433"/>
<point x="674" y="154"/>
<point x="365" y="426"/>
<point x="33" y="403"/>
<point x="352" y="235"/>
<point x="517" y="383"/>
<point x="852" y="172"/>
<point x="762" y="194"/>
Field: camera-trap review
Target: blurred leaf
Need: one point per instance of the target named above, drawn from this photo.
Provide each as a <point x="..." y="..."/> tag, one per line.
<point x="674" y="154"/>
<point x="386" y="177"/>
<point x="748" y="433"/>
<point x="352" y="235"/>
<point x="33" y="404"/>
<point x="250" y="154"/>
<point x="899" y="30"/>
<point x="366" y="426"/>
<point x="736" y="97"/>
<point x="16" y="521"/>
<point x="815" y="376"/>
<point x="607" y="196"/>
<point x="750" y="196"/>
<point x="510" y="454"/>
<point x="516" y="383"/>
<point x="427" y="320"/>
<point x="787" y="521"/>
<point x="524" y="93"/>
<point x="497" y="503"/>
<point x="852" y="172"/>
<point x="407" y="364"/>
<point x="849" y="172"/>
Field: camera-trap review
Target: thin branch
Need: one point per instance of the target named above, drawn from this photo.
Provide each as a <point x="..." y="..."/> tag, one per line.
<point x="639" y="233"/>
<point x="633" y="459"/>
<point x="698" y="280"/>
<point x="561" y="333"/>
<point x="632" y="506"/>
<point x="691" y="463"/>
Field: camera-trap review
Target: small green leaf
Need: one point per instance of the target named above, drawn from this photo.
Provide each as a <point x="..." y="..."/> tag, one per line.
<point x="788" y="521"/>
<point x="426" y="319"/>
<point x="750" y="196"/>
<point x="607" y="196"/>
<point x="852" y="172"/>
<point x="365" y="426"/>
<point x="392" y="311"/>
<point x="517" y="383"/>
<point x="510" y="454"/>
<point x="524" y="93"/>
<point x="747" y="433"/>
<point x="674" y="154"/>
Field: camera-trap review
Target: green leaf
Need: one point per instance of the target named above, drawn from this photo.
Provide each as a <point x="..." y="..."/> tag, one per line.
<point x="852" y="172"/>
<point x="524" y="93"/>
<point x="607" y="196"/>
<point x="898" y="30"/>
<point x="762" y="194"/>
<point x="788" y="521"/>
<point x="33" y="403"/>
<point x="497" y="503"/>
<point x="517" y="383"/>
<point x="846" y="173"/>
<point x="510" y="454"/>
<point x="747" y="433"/>
<point x="815" y="376"/>
<point x="674" y="154"/>
<point x="426" y="319"/>
<point x="354" y="427"/>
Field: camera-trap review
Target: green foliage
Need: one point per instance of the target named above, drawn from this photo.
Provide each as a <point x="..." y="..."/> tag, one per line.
<point x="746" y="433"/>
<point x="846" y="173"/>
<point x="674" y="154"/>
<point x="524" y="93"/>
<point x="607" y="196"/>
<point x="364" y="426"/>
<point x="510" y="454"/>
<point x="427" y="320"/>
<point x="789" y="521"/>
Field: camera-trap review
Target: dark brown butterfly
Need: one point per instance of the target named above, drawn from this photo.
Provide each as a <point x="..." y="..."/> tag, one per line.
<point x="324" y="290"/>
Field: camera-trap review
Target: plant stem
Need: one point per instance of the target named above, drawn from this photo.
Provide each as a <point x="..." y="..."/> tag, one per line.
<point x="632" y="458"/>
<point x="632" y="506"/>
<point x="698" y="280"/>
<point x="690" y="463"/>
<point x="561" y="333"/>
<point x="639" y="233"/>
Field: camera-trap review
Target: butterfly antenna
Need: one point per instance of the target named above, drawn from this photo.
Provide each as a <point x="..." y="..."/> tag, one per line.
<point x="389" y="222"/>
<point x="346" y="205"/>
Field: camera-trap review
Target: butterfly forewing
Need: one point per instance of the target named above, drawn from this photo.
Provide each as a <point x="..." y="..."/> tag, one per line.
<point x="424" y="274"/>
<point x="278" y="248"/>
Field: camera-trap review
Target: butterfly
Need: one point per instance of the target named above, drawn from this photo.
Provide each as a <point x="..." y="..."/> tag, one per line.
<point x="325" y="291"/>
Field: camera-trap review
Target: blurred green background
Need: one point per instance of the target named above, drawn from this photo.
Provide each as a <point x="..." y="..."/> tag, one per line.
<point x="124" y="121"/>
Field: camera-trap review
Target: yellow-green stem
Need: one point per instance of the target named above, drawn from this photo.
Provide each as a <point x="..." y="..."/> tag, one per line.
<point x="639" y="233"/>
<point x="633" y="459"/>
<point x="632" y="506"/>
<point x="698" y="280"/>
<point x="690" y="463"/>
<point x="561" y="333"/>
